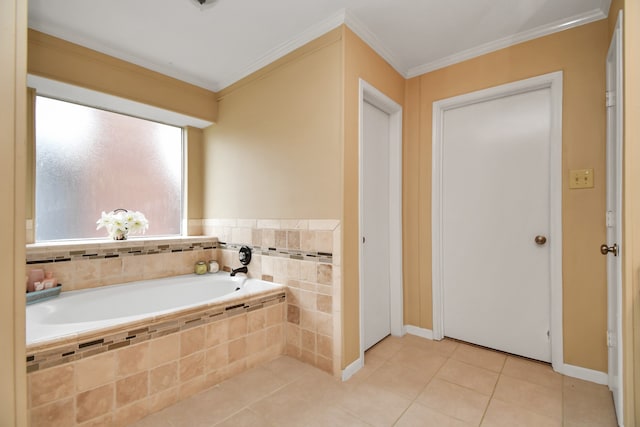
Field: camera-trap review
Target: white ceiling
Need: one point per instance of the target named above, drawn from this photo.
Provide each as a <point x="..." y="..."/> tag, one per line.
<point x="215" y="46"/>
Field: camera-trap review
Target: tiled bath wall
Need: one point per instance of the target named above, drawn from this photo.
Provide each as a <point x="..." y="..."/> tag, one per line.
<point x="303" y="255"/>
<point x="92" y="265"/>
<point x="118" y="387"/>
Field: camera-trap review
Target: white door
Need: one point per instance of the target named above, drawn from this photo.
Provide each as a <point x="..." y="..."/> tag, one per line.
<point x="614" y="215"/>
<point x="496" y="223"/>
<point x="375" y="225"/>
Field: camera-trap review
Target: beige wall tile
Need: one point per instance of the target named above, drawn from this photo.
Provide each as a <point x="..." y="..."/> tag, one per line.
<point x="325" y="274"/>
<point x="267" y="265"/>
<point x="216" y="357"/>
<point x="163" y="350"/>
<point x="293" y="240"/>
<point x="274" y="314"/>
<point x="324" y="363"/>
<point x="268" y="238"/>
<point x="324" y="303"/>
<point x="256" y="237"/>
<point x="308" y="320"/>
<point x="293" y="269"/>
<point x="308" y="357"/>
<point x="59" y="413"/>
<point x="293" y="314"/>
<point x="216" y="333"/>
<point x="163" y="378"/>
<point x="256" y="320"/>
<point x="237" y="349"/>
<point x="133" y="267"/>
<point x="308" y="340"/>
<point x="325" y="346"/>
<point x="132" y="359"/>
<point x="308" y="241"/>
<point x="130" y="414"/>
<point x="191" y="366"/>
<point x="110" y="271"/>
<point x="192" y="387"/>
<point x="308" y="300"/>
<point x="256" y="342"/>
<point x="191" y="340"/>
<point x="163" y="399"/>
<point x="281" y="239"/>
<point x="51" y="384"/>
<point x="94" y="403"/>
<point x="308" y="271"/>
<point x="293" y="335"/>
<point x="275" y="335"/>
<point x="131" y="389"/>
<point x="95" y="371"/>
<point x="324" y="241"/>
<point x="87" y="274"/>
<point x="237" y="326"/>
<point x="324" y="324"/>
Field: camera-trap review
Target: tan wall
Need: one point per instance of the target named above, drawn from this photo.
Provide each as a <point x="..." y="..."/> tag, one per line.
<point x="580" y="54"/>
<point x="360" y="62"/>
<point x="194" y="138"/>
<point x="13" y="136"/>
<point x="60" y="60"/>
<point x="275" y="150"/>
<point x="631" y="209"/>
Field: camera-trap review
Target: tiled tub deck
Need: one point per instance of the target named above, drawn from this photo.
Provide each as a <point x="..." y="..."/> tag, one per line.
<point x="117" y="376"/>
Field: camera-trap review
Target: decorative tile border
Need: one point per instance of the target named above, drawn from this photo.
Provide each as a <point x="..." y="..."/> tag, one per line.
<point x="324" y="257"/>
<point x="122" y="337"/>
<point x="40" y="254"/>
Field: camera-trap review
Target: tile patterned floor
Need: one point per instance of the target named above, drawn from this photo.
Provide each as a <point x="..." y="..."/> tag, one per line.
<point x="405" y="382"/>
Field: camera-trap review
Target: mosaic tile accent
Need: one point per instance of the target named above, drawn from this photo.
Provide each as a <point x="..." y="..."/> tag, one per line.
<point x="41" y="254"/>
<point x="119" y="338"/>
<point x="325" y="257"/>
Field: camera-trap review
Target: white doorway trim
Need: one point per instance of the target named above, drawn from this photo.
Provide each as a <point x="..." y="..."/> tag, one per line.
<point x="615" y="106"/>
<point x="379" y="100"/>
<point x="552" y="81"/>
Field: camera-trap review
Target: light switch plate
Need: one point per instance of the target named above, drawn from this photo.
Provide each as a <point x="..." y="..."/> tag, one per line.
<point x="581" y="178"/>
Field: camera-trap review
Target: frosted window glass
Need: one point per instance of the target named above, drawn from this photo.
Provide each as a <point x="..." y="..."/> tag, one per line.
<point x="90" y="160"/>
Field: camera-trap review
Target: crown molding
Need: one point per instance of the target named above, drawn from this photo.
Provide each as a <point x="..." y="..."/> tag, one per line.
<point x="544" y="30"/>
<point x="366" y="35"/>
<point x="283" y="49"/>
<point x="90" y="43"/>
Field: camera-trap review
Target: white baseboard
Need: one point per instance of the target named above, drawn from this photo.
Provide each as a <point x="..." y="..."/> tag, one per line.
<point x="354" y="367"/>
<point x="420" y="332"/>
<point x="585" y="374"/>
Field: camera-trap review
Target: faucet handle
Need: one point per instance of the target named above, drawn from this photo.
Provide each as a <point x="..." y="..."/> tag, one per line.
<point x="245" y="255"/>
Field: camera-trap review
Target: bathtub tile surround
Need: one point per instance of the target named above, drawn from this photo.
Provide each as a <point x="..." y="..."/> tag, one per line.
<point x="97" y="263"/>
<point x="305" y="256"/>
<point x="126" y="375"/>
<point x="67" y="350"/>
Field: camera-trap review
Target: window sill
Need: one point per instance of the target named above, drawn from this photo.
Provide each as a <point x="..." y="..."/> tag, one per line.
<point x="36" y="251"/>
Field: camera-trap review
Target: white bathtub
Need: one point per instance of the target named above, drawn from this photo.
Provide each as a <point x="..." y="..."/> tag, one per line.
<point x="77" y="312"/>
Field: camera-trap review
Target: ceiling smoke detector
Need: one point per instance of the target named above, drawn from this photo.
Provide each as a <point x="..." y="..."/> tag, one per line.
<point x="203" y="4"/>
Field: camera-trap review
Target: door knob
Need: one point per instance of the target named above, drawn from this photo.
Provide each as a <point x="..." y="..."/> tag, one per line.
<point x="604" y="249"/>
<point x="540" y="240"/>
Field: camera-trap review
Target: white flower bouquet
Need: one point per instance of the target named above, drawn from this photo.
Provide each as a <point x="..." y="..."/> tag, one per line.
<point x="120" y="222"/>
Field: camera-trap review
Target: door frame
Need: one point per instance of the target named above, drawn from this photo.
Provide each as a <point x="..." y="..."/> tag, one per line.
<point x="552" y="81"/>
<point x="373" y="96"/>
<point x="614" y="314"/>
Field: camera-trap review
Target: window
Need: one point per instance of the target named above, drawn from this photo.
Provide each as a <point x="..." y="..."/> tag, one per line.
<point x="90" y="160"/>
